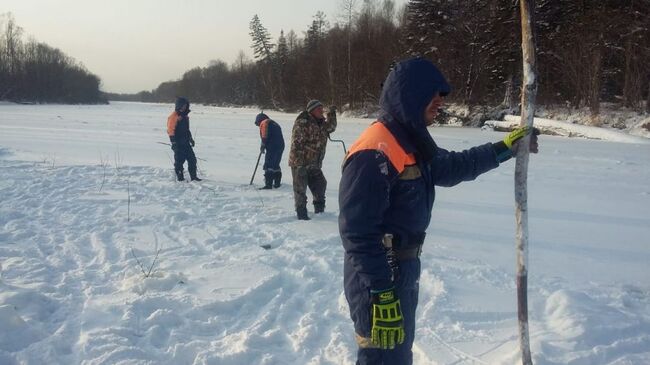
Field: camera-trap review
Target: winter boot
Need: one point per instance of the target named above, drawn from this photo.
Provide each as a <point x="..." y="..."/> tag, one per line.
<point x="179" y="175"/>
<point x="193" y="176"/>
<point x="319" y="207"/>
<point x="277" y="177"/>
<point x="268" y="182"/>
<point x="302" y="213"/>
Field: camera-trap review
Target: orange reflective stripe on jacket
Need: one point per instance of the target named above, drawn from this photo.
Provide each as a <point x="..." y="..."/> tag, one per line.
<point x="378" y="137"/>
<point x="264" y="128"/>
<point x="172" y="120"/>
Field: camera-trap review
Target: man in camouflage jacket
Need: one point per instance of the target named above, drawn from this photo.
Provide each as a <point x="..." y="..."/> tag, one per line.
<point x="308" y="142"/>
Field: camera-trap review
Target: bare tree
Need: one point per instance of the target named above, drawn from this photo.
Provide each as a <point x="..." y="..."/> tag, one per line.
<point x="349" y="9"/>
<point x="647" y="102"/>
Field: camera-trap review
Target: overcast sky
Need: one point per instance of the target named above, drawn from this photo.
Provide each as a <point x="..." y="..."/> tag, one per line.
<point x="134" y="45"/>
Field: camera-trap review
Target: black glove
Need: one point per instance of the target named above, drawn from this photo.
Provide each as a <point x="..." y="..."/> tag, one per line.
<point x="262" y="148"/>
<point x="192" y="142"/>
<point x="174" y="145"/>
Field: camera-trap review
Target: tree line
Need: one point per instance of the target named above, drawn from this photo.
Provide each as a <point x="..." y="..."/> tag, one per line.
<point x="343" y="64"/>
<point x="589" y="51"/>
<point x="31" y="71"/>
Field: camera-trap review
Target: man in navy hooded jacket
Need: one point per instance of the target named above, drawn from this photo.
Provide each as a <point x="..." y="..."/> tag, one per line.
<point x="386" y="195"/>
<point x="180" y="136"/>
<point x="273" y="145"/>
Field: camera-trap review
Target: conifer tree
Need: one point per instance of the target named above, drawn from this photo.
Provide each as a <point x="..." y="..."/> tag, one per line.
<point x="262" y="46"/>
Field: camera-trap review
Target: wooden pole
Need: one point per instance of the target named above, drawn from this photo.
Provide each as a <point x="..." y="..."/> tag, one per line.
<point x="528" y="95"/>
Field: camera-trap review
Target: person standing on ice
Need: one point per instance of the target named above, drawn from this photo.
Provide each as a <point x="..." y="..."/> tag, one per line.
<point x="386" y="195"/>
<point x="178" y="129"/>
<point x="308" y="142"/>
<point x="273" y="146"/>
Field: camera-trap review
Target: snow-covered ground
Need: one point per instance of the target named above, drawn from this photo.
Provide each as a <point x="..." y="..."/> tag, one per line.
<point x="88" y="191"/>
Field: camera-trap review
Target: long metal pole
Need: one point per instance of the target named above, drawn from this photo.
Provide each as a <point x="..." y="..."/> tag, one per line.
<point x="254" y="171"/>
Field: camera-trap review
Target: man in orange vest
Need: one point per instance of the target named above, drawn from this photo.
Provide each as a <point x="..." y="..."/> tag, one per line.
<point x="386" y="195"/>
<point x="178" y="129"/>
<point x="273" y="146"/>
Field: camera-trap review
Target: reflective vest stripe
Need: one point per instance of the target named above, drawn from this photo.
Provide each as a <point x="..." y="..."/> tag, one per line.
<point x="264" y="128"/>
<point x="171" y="124"/>
<point x="379" y="138"/>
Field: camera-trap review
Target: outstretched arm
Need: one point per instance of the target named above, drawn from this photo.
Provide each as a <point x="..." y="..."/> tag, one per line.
<point x="450" y="168"/>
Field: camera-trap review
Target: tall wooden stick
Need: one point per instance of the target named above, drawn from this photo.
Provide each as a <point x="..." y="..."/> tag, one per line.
<point x="528" y="95"/>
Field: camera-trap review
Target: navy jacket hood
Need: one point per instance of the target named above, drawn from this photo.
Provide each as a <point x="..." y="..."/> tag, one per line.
<point x="259" y="118"/>
<point x="407" y="91"/>
<point x="180" y="101"/>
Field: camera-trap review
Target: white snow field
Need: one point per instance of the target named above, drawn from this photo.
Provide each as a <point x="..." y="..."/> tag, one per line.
<point x="87" y="191"/>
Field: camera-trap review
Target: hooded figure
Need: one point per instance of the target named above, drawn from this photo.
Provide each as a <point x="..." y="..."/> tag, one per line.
<point x="178" y="129"/>
<point x="273" y="145"/>
<point x="386" y="196"/>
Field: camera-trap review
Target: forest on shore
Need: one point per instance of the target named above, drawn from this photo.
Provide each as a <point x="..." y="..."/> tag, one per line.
<point x="34" y="72"/>
<point x="589" y="52"/>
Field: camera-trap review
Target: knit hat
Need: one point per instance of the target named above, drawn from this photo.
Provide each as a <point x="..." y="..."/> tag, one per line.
<point x="313" y="104"/>
<point x="260" y="118"/>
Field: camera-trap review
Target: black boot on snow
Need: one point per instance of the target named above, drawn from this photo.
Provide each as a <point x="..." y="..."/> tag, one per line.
<point x="302" y="214"/>
<point x="268" y="182"/>
<point x="179" y="175"/>
<point x="277" y="178"/>
<point x="193" y="177"/>
<point x="319" y="207"/>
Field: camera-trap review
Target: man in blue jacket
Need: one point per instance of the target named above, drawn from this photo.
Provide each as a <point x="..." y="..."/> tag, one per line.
<point x="180" y="136"/>
<point x="273" y="145"/>
<point x="386" y="195"/>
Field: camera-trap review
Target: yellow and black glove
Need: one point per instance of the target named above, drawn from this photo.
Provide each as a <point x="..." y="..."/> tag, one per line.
<point x="507" y="147"/>
<point x="516" y="135"/>
<point x="387" y="324"/>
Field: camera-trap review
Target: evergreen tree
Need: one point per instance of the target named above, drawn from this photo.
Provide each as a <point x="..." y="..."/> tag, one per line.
<point x="263" y="51"/>
<point x="283" y="49"/>
<point x="317" y="30"/>
<point x="314" y="71"/>
<point x="262" y="46"/>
